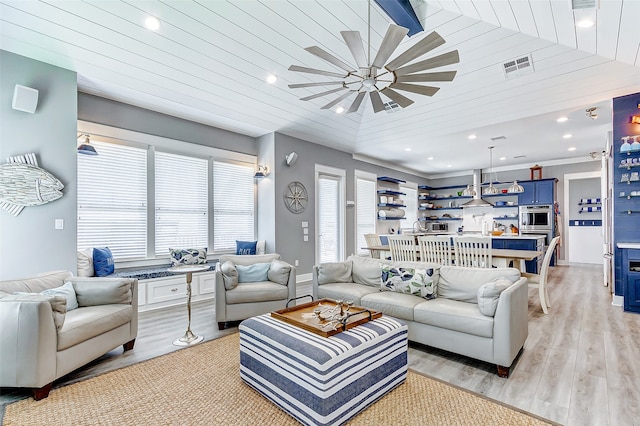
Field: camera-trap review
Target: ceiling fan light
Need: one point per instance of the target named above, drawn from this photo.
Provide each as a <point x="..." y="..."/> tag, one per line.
<point x="515" y="188"/>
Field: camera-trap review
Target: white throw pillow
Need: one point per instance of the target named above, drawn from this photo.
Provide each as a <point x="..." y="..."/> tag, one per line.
<point x="279" y="272"/>
<point x="229" y="275"/>
<point x="85" y="263"/>
<point x="489" y="294"/>
<point x="67" y="291"/>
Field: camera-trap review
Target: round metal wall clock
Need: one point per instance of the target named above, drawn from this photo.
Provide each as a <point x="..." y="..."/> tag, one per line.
<point x="295" y="197"/>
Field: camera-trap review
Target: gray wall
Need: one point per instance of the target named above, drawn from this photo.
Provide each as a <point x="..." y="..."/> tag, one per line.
<point x="117" y="114"/>
<point x="583" y="188"/>
<point x="288" y="229"/>
<point x="29" y="244"/>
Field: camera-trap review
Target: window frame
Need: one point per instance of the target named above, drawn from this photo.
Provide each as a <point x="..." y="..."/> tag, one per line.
<point x="152" y="144"/>
<point x="373" y="178"/>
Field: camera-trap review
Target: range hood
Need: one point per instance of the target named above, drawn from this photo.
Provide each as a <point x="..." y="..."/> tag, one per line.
<point x="477" y="199"/>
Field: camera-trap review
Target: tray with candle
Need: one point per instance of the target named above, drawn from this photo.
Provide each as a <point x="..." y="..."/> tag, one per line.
<point x="326" y="317"/>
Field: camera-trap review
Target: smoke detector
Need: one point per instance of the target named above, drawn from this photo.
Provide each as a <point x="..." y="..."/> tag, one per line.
<point x="591" y="113"/>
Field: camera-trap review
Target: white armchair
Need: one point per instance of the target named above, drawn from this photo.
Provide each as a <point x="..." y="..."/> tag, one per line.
<point x="41" y="341"/>
<point x="237" y="300"/>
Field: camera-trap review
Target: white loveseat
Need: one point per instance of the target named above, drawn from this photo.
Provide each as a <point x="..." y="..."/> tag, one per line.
<point x="452" y="321"/>
<point x="41" y="341"/>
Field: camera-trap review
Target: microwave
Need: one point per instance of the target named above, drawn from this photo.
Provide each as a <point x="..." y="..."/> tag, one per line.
<point x="438" y="227"/>
<point x="536" y="218"/>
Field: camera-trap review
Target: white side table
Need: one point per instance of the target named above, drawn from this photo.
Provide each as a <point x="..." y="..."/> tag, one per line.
<point x="189" y="338"/>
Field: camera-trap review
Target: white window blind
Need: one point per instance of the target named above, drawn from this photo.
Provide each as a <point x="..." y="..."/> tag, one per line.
<point x="112" y="200"/>
<point x="233" y="204"/>
<point x="366" y="211"/>
<point x="181" y="205"/>
<point x="411" y="202"/>
<point x="329" y="226"/>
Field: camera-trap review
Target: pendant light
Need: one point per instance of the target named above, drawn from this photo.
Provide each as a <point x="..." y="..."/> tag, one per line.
<point x="490" y="190"/>
<point x="515" y="188"/>
<point x="468" y="191"/>
<point x="86" y="148"/>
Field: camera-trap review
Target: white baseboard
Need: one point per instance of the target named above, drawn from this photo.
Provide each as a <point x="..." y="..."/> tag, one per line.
<point x="562" y="263"/>
<point x="617" y="300"/>
<point x="304" y="278"/>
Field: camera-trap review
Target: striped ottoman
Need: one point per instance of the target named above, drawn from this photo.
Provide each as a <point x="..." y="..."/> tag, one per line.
<point x="323" y="380"/>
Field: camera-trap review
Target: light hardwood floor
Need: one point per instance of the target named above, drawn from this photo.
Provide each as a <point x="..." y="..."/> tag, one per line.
<point x="580" y="364"/>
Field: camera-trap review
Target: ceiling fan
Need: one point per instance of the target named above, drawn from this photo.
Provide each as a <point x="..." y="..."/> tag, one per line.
<point x="367" y="78"/>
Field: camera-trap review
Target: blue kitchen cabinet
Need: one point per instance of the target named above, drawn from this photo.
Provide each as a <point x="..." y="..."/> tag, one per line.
<point x="518" y="244"/>
<point x="631" y="267"/>
<point x="537" y="192"/>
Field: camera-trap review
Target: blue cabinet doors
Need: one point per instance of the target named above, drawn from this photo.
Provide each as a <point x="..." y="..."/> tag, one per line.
<point x="537" y="192"/>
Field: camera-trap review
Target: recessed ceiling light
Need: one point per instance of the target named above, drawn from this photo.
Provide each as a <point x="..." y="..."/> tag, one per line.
<point x="573" y="148"/>
<point x="472" y="136"/>
<point x="407" y="149"/>
<point x="339" y="110"/>
<point x="271" y="79"/>
<point x="430" y="158"/>
<point x="152" y="23"/>
<point x="503" y="158"/>
<point x="448" y="165"/>
<point x="562" y="119"/>
<point x="567" y="136"/>
<point x="585" y="23"/>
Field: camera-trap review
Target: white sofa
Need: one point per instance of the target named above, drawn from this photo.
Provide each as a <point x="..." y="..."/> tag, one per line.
<point x="41" y="341"/>
<point x="245" y="300"/>
<point x="453" y="320"/>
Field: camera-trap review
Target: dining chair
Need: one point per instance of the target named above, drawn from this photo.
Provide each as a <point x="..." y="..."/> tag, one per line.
<point x="539" y="281"/>
<point x="403" y="248"/>
<point x="472" y="251"/>
<point x="435" y="249"/>
<point x="373" y="240"/>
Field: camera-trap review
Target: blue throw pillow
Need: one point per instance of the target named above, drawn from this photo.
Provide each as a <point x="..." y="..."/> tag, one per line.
<point x="246" y="247"/>
<point x="253" y="273"/>
<point x="103" y="262"/>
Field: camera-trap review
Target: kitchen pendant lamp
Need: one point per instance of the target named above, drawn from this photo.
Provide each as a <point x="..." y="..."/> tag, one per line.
<point x="490" y="190"/>
<point x="469" y="192"/>
<point x="86" y="148"/>
<point x="515" y="188"/>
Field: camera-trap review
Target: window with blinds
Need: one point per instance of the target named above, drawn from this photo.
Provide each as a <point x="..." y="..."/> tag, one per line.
<point x="366" y="212"/>
<point x="181" y="203"/>
<point x="112" y="200"/>
<point x="329" y="219"/>
<point x="233" y="204"/>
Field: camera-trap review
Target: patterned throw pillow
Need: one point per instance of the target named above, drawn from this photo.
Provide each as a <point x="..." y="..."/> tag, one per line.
<point x="103" y="264"/>
<point x="188" y="256"/>
<point x="246" y="247"/>
<point x="418" y="282"/>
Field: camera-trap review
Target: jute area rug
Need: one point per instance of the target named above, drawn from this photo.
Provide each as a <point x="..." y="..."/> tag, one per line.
<point x="201" y="386"/>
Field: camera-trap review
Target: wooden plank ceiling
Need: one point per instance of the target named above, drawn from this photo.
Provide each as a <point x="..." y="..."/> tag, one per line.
<point x="209" y="60"/>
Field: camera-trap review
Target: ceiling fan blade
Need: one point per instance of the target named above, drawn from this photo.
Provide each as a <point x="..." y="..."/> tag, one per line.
<point x="376" y="101"/>
<point x="425" y="45"/>
<point x="356" y="103"/>
<point x="337" y="100"/>
<point x="428" y="76"/>
<point x="328" y="92"/>
<point x="390" y="42"/>
<point x="422" y="90"/>
<point x="315" y="71"/>
<point x="323" y="54"/>
<point x="354" y="43"/>
<point x="322" y="83"/>
<point x="401" y="100"/>
<point x="435" y="62"/>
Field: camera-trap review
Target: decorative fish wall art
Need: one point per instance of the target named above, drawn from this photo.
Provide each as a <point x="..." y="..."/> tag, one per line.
<point x="24" y="184"/>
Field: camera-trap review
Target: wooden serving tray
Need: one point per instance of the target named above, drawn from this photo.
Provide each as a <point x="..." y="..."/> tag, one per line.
<point x="302" y="316"/>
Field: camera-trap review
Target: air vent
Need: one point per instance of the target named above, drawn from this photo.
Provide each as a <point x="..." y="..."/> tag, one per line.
<point x="584" y="4"/>
<point x="517" y="67"/>
<point x="520" y="156"/>
<point x="391" y="107"/>
<point x="499" y="138"/>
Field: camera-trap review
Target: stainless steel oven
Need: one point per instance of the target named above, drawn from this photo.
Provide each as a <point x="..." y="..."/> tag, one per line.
<point x="536" y="219"/>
